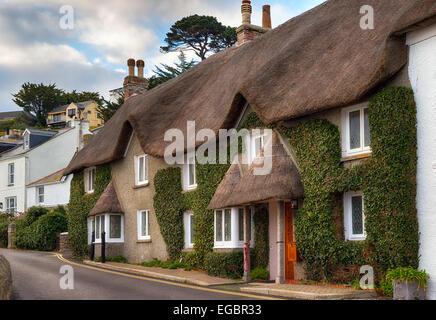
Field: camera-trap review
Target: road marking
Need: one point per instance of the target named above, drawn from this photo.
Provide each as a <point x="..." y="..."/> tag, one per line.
<point x="60" y="257"/>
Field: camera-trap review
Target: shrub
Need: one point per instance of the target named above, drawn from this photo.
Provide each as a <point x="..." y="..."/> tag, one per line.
<point x="406" y="274"/>
<point x="154" y="263"/>
<point x="4" y="234"/>
<point x="41" y="234"/>
<point x="191" y="260"/>
<point x="259" y="274"/>
<point x="118" y="258"/>
<point x="33" y="213"/>
<point x="226" y="265"/>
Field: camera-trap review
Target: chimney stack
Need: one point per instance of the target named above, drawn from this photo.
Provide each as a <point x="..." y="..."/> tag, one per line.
<point x="140" y="64"/>
<point x="266" y="16"/>
<point x="131" y="65"/>
<point x="246" y="11"/>
<point x="248" y="32"/>
<point x="134" y="85"/>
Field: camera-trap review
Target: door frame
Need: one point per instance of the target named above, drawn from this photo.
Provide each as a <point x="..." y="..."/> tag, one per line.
<point x="290" y="244"/>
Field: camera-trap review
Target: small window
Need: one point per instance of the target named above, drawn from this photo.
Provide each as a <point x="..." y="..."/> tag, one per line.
<point x="141" y="168"/>
<point x="11" y="174"/>
<point x="40" y="195"/>
<point x="229" y="228"/>
<point x="11" y="205"/>
<point x="241" y="225"/>
<point x="89" y="180"/>
<point x="26" y="141"/>
<point x="228" y="225"/>
<point x="143" y="225"/>
<point x="189" y="229"/>
<point x="356" y="135"/>
<point x="99" y="226"/>
<point x="256" y="144"/>
<point x="111" y="224"/>
<point x="219" y="226"/>
<point x="354" y="216"/>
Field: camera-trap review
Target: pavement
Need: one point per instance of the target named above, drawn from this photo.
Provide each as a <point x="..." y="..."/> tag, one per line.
<point x="178" y="275"/>
<point x="37" y="276"/>
<point x="308" y="292"/>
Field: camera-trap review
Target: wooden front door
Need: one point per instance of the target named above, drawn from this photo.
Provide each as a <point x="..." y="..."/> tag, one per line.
<point x="290" y="245"/>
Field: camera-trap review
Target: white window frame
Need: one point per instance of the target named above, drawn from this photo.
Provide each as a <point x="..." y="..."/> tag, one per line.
<point x="26" y="141"/>
<point x="10" y="209"/>
<point x="38" y="195"/>
<point x="139" y="182"/>
<point x="186" y="171"/>
<point x="345" y="115"/>
<point x="234" y="242"/>
<point x="11" y="174"/>
<point x="87" y="174"/>
<point x="187" y="216"/>
<point x="93" y="224"/>
<point x="348" y="222"/>
<point x="139" y="223"/>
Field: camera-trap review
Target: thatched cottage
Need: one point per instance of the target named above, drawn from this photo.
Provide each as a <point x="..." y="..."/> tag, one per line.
<point x="349" y="148"/>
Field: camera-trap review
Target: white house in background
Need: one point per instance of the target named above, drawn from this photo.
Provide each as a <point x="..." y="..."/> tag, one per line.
<point x="422" y="71"/>
<point x="49" y="191"/>
<point x="42" y="154"/>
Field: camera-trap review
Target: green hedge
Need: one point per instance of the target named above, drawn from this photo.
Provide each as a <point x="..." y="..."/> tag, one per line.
<point x="225" y="264"/>
<point x="4" y="234"/>
<point x="40" y="234"/>
<point x="81" y="204"/>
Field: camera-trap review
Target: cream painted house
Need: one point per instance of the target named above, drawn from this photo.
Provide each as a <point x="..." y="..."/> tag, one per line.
<point x="65" y="115"/>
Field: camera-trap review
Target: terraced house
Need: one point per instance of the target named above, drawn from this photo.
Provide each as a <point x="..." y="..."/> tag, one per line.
<point x="349" y="110"/>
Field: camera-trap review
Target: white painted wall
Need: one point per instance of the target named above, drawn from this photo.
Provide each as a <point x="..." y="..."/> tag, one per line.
<point x="54" y="194"/>
<point x="422" y="73"/>
<point x="55" y="154"/>
<point x="19" y="187"/>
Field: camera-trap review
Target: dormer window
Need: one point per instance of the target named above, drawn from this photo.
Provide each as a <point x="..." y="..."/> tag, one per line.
<point x="89" y="176"/>
<point x="141" y="168"/>
<point x="356" y="137"/>
<point x="189" y="175"/>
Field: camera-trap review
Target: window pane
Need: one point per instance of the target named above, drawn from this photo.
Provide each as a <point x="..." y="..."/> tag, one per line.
<point x="219" y="225"/>
<point x="191" y="224"/>
<point x="191" y="169"/>
<point x="355" y="129"/>
<point x="228" y="225"/>
<point x="357" y="215"/>
<point x="97" y="232"/>
<point x="141" y="169"/>
<point x="241" y="224"/>
<point x="144" y="223"/>
<point x="366" y="128"/>
<point x="145" y="168"/>
<point x="115" y="227"/>
<point x="103" y="226"/>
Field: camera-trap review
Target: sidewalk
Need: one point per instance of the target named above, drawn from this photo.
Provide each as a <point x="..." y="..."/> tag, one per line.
<point x="177" y="275"/>
<point x="308" y="292"/>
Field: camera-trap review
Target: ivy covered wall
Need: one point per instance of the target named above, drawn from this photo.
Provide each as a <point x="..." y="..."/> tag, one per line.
<point x="81" y="204"/>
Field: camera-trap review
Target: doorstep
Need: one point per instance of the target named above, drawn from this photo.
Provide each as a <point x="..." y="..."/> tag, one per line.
<point x="308" y="292"/>
<point x="177" y="275"/>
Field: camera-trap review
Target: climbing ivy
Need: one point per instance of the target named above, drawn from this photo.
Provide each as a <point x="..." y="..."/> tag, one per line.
<point x="81" y="204"/>
<point x="168" y="205"/>
<point x="261" y="245"/>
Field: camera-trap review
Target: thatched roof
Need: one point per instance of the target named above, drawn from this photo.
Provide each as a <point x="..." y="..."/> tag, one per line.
<point x="283" y="182"/>
<point x="108" y="202"/>
<point x="319" y="60"/>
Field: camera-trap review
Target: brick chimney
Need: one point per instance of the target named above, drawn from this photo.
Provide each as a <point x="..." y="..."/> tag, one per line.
<point x="247" y="31"/>
<point x="134" y="85"/>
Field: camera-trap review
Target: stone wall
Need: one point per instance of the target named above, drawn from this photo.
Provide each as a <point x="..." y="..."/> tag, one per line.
<point x="11" y="236"/>
<point x="5" y="279"/>
<point x="62" y="242"/>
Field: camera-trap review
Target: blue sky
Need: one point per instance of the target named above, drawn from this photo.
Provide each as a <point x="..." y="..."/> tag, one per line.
<point x="92" y="56"/>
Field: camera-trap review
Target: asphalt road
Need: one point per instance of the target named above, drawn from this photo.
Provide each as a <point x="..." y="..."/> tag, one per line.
<point x="36" y="276"/>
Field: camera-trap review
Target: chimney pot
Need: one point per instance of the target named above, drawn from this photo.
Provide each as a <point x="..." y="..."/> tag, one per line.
<point x="131" y="65"/>
<point x="246" y="11"/>
<point x="266" y="16"/>
<point x="140" y="64"/>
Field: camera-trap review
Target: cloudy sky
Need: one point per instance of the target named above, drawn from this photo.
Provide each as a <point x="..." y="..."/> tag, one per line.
<point x="92" y="56"/>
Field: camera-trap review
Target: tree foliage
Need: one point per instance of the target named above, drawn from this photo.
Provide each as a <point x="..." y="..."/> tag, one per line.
<point x="201" y="34"/>
<point x="166" y="72"/>
<point x="41" y="99"/>
<point x="108" y="109"/>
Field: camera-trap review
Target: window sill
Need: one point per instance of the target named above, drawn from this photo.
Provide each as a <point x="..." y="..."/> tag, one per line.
<point x="11" y="185"/>
<point x="144" y="241"/>
<point x="356" y="239"/>
<point x="189" y="190"/>
<point x="358" y="156"/>
<point x="140" y="186"/>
